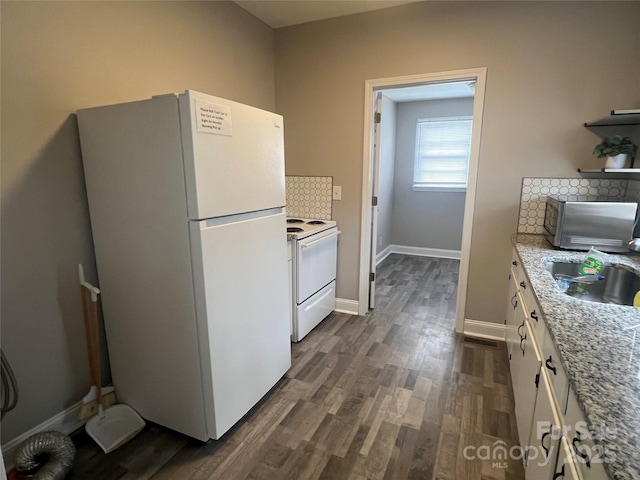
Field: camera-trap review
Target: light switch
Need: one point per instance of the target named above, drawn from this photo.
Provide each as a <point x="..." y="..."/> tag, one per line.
<point x="337" y="193"/>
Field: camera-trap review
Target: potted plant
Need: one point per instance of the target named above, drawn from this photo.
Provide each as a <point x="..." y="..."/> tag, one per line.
<point x="615" y="149"/>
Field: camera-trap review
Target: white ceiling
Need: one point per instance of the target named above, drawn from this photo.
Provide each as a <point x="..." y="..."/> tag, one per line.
<point x="433" y="91"/>
<point x="284" y="13"/>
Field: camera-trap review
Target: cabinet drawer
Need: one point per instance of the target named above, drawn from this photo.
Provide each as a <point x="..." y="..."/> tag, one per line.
<point x="555" y="371"/>
<point x="534" y="315"/>
<point x="589" y="456"/>
<point x="515" y="260"/>
<point x="516" y="268"/>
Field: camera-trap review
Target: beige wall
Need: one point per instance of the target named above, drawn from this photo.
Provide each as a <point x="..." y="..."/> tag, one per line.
<point x="58" y="57"/>
<point x="551" y="67"/>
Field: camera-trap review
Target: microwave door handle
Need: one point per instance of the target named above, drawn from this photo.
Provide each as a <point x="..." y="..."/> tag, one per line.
<point x="335" y="234"/>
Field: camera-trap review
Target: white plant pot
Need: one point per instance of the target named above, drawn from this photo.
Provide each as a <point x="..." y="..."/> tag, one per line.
<point x="617" y="161"/>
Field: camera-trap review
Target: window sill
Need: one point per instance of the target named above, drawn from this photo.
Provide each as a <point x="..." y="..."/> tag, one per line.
<point x="420" y="187"/>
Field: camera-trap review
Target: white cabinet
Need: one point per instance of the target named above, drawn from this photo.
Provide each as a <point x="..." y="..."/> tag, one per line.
<point x="551" y="427"/>
<point x="510" y="320"/>
<point x="525" y="368"/>
<point x="557" y="375"/>
<point x="565" y="467"/>
<point x="588" y="455"/>
<point x="524" y="359"/>
<point x="542" y="450"/>
<point x="515" y="313"/>
<point x="533" y="312"/>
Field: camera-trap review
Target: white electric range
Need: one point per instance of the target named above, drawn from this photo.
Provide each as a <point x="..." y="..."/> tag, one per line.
<point x="314" y="257"/>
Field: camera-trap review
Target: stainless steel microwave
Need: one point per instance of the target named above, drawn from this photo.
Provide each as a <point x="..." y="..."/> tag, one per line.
<point x="576" y="224"/>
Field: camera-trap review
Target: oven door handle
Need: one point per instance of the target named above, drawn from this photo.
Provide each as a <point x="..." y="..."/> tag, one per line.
<point x="335" y="234"/>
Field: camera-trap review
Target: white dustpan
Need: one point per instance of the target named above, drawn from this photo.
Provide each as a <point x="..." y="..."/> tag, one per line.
<point x="114" y="426"/>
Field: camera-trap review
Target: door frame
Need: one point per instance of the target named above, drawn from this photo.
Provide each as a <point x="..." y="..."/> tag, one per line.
<point x="375" y="178"/>
<point x="371" y="87"/>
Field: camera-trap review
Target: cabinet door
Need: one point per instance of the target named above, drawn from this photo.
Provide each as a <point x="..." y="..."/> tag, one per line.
<point x="525" y="367"/>
<point x="542" y="451"/>
<point x="534" y="314"/>
<point x="589" y="456"/>
<point x="557" y="375"/>
<point x="511" y="334"/>
<point x="565" y="468"/>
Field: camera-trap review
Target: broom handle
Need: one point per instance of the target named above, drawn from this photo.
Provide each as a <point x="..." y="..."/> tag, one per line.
<point x="96" y="350"/>
<point x="89" y="336"/>
<point x="93" y="338"/>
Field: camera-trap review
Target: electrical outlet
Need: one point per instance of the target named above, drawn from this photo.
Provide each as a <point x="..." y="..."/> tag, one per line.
<point x="337" y="192"/>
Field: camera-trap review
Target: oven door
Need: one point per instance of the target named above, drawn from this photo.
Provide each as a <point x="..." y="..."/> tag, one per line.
<point x="315" y="263"/>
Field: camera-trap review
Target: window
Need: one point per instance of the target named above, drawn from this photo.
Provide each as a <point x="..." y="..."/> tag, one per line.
<point x="442" y="153"/>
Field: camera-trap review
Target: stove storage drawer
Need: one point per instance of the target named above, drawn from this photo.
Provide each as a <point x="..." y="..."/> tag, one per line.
<point x="315" y="263"/>
<point x="313" y="311"/>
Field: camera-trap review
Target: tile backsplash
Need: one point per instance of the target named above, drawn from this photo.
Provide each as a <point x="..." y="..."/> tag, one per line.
<point x="535" y="190"/>
<point x="633" y="191"/>
<point x="309" y="197"/>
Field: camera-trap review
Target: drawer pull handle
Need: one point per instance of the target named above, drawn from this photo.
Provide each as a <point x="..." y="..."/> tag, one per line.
<point x="550" y="366"/>
<point x="522" y="339"/>
<point x="546" y="450"/>
<point x="514" y="301"/>
<point x="582" y="455"/>
<point x="523" y="284"/>
<point x="534" y="315"/>
<point x="560" y="474"/>
<point x="521" y="325"/>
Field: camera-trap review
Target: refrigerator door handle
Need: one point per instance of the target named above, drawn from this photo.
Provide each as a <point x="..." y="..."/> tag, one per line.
<point x="240" y="217"/>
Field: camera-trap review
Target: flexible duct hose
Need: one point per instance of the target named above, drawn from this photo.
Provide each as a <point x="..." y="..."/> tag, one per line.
<point x="9" y="386"/>
<point x="46" y="455"/>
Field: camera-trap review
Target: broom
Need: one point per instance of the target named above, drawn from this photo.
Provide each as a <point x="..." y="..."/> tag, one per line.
<point x="90" y="406"/>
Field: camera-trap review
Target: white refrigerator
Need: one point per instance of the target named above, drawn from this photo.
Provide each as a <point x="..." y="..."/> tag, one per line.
<point x="186" y="197"/>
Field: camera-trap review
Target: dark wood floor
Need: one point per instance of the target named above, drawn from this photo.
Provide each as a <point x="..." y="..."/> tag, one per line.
<point x="395" y="394"/>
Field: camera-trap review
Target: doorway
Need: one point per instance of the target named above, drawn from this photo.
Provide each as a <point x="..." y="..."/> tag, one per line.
<point x="369" y="222"/>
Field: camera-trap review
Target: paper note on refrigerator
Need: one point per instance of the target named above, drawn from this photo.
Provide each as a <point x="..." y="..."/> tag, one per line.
<point x="211" y="118"/>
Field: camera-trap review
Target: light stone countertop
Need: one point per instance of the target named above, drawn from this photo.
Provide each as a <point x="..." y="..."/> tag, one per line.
<point x="602" y="359"/>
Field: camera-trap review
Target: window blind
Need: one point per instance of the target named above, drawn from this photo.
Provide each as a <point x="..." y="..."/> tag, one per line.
<point x="442" y="152"/>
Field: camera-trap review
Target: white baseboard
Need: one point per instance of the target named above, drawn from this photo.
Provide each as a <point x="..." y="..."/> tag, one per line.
<point x="419" y="251"/>
<point x="346" y="306"/>
<point x="66" y="422"/>
<point x="380" y="256"/>
<point x="476" y="328"/>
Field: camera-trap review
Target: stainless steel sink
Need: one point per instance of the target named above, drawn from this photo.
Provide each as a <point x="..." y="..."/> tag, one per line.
<point x="619" y="286"/>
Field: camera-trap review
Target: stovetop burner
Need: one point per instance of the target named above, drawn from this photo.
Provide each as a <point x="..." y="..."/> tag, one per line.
<point x="299" y="228"/>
